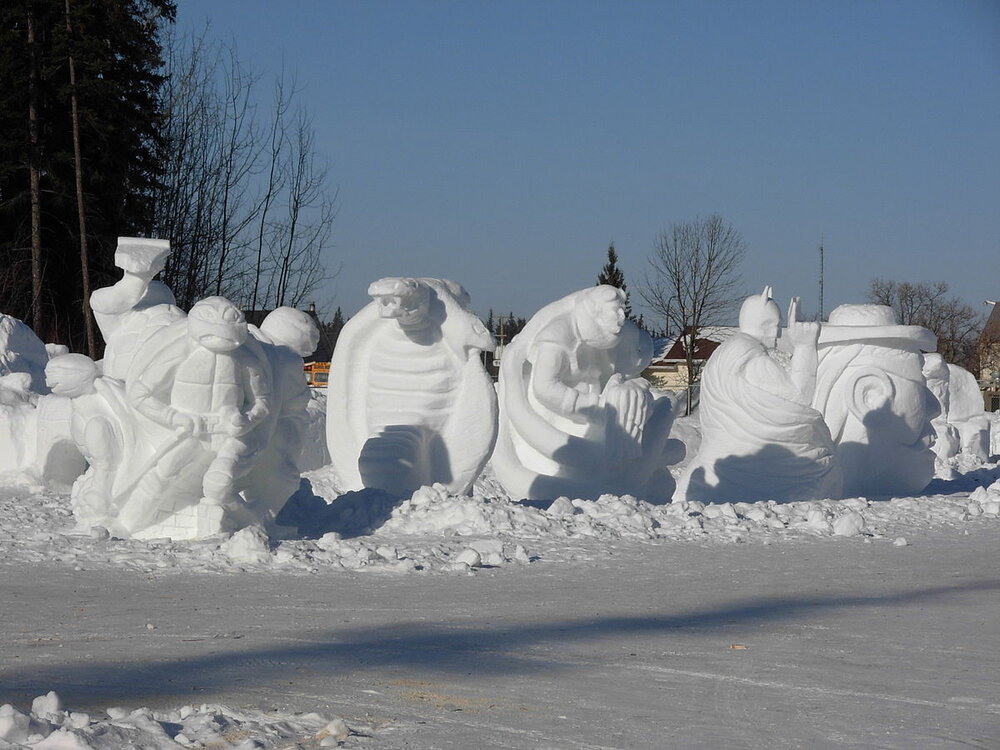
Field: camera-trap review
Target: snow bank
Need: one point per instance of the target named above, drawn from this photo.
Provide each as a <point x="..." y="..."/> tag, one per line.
<point x="48" y="725"/>
<point x="326" y="531"/>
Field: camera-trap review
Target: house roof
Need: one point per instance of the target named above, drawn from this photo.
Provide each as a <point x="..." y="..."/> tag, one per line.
<point x="671" y="350"/>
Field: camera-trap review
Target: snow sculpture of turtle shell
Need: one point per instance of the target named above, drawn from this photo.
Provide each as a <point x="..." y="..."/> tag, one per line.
<point x="409" y="402"/>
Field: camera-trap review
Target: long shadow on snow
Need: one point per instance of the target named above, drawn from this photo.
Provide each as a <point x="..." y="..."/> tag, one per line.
<point x="443" y="648"/>
<point x="352" y="514"/>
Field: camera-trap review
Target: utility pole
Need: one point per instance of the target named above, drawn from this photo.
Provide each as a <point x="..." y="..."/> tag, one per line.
<point x="821" y="278"/>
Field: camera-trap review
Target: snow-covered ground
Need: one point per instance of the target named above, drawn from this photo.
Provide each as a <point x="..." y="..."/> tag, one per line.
<point x="445" y="621"/>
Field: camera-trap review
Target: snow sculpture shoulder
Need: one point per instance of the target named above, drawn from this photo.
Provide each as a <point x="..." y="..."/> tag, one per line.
<point x="409" y="402"/>
<point x="761" y="437"/>
<point x="874" y="397"/>
<point x="576" y="418"/>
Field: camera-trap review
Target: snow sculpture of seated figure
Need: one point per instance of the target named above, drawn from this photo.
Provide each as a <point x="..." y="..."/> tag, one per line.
<point x="575" y="417"/>
<point x="130" y="310"/>
<point x="409" y="402"/>
<point x="967" y="413"/>
<point x="946" y="439"/>
<point x="872" y="392"/>
<point x="202" y="386"/>
<point x="761" y="437"/>
<point x="286" y="336"/>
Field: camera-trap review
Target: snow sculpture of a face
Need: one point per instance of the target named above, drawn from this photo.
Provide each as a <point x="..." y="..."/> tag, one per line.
<point x="760" y="437"/>
<point x="761" y="318"/>
<point x="409" y="402"/>
<point x="217" y="324"/>
<point x="873" y="394"/>
<point x="576" y="418"/>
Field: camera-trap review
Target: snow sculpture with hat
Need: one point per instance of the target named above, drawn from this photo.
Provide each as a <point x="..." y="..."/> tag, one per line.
<point x="873" y="394"/>
<point x="409" y="402"/>
<point x="761" y="437"/>
<point x="576" y="418"/>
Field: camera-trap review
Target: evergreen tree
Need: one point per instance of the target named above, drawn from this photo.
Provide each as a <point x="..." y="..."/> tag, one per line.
<point x="612" y="275"/>
<point x="115" y="53"/>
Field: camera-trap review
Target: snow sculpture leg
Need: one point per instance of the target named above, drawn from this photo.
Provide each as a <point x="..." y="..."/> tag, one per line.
<point x="873" y="395"/>
<point x="575" y="417"/>
<point x="409" y="402"/>
<point x="761" y="438"/>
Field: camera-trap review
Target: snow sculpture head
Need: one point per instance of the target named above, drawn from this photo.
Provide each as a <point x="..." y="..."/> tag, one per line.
<point x="217" y="324"/>
<point x="286" y="326"/>
<point x="600" y="316"/>
<point x="761" y="318"/>
<point x="575" y="417"/>
<point x="409" y="401"/>
<point x="873" y="394"/>
<point x="71" y="375"/>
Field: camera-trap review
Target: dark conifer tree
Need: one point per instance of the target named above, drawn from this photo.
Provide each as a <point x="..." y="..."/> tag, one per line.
<point x="612" y="275"/>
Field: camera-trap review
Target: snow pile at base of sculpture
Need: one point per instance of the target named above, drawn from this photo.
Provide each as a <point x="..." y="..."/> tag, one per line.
<point x="48" y="725"/>
<point x="434" y="530"/>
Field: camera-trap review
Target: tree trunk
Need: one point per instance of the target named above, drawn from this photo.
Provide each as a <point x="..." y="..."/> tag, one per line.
<point x="88" y="316"/>
<point x="36" y="191"/>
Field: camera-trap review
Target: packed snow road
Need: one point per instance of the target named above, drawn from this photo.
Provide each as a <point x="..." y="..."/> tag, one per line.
<point x="814" y="642"/>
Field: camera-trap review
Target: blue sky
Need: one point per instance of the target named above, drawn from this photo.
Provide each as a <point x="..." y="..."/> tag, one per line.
<point x="505" y="144"/>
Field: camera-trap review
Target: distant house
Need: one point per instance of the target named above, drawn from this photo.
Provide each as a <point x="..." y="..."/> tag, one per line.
<point x="669" y="368"/>
<point x="989" y="360"/>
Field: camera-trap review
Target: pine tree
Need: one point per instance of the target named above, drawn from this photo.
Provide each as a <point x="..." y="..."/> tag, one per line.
<point x="612" y="275"/>
<point x="115" y="53"/>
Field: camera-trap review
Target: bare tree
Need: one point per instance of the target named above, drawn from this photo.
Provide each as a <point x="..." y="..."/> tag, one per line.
<point x="693" y="281"/>
<point x="928" y="304"/>
<point x="245" y="203"/>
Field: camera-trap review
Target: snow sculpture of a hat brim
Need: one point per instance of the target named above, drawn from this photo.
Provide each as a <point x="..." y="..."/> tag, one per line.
<point x="409" y="402"/>
<point x="873" y="394"/>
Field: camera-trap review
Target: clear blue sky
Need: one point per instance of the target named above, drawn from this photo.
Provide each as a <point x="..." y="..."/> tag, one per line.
<point x="504" y="144"/>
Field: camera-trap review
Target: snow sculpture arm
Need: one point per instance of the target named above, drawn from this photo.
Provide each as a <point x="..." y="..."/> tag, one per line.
<point x="804" y="337"/>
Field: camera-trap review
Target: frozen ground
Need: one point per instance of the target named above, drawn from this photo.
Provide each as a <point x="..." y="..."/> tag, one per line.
<point x="444" y="622"/>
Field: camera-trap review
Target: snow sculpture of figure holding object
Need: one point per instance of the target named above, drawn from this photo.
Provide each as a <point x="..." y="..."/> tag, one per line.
<point x="576" y="418"/>
<point x="206" y="384"/>
<point x="946" y="438"/>
<point x="101" y="429"/>
<point x="129" y="311"/>
<point x="409" y="402"/>
<point x="761" y="438"/>
<point x="873" y="394"/>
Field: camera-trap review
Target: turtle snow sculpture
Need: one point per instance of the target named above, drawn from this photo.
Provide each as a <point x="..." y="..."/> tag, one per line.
<point x="576" y="418"/>
<point x="409" y="402"/>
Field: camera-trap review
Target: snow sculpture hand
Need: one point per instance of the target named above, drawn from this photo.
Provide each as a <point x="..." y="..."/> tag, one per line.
<point x="800" y="333"/>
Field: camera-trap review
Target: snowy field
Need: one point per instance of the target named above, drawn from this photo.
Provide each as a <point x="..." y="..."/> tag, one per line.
<point x="445" y="622"/>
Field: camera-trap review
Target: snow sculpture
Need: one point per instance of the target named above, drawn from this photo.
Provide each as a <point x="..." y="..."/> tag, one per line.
<point x="21" y="351"/>
<point x="133" y="308"/>
<point x="100" y="428"/>
<point x="286" y="336"/>
<point x="409" y="402"/>
<point x="874" y="397"/>
<point x="202" y="385"/>
<point x="967" y="414"/>
<point x="576" y="418"/>
<point x="761" y="437"/>
<point x="946" y="439"/>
